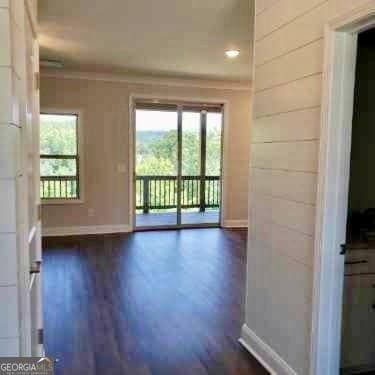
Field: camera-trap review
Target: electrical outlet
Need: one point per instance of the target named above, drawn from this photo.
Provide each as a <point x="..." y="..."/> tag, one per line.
<point x="91" y="212"/>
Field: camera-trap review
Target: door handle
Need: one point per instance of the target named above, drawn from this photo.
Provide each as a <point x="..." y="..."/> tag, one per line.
<point x="343" y="249"/>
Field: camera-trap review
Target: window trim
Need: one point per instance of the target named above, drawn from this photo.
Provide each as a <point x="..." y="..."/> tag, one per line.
<point x="80" y="154"/>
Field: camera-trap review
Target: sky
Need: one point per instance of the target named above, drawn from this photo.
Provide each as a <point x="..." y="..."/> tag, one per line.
<point x="166" y="120"/>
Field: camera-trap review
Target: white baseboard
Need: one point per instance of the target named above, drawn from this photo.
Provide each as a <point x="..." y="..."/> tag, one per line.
<point x="235" y="224"/>
<point x="84" y="230"/>
<point x="269" y="359"/>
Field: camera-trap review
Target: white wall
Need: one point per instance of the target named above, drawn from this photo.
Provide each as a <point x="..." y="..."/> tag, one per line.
<point x="105" y="107"/>
<point x="284" y="169"/>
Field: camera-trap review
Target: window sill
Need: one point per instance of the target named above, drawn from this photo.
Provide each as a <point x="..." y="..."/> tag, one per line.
<point x="48" y="202"/>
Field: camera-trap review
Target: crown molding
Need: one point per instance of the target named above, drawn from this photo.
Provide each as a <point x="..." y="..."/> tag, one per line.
<point x="147" y="79"/>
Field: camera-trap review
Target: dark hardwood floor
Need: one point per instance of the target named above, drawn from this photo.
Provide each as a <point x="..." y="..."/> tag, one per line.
<point x="165" y="302"/>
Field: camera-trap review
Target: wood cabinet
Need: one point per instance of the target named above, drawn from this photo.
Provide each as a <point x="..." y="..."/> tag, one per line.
<point x="358" y="323"/>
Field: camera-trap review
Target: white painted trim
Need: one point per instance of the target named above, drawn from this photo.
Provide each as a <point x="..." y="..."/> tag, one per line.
<point x="225" y="157"/>
<point x="81" y="154"/>
<point x="268" y="358"/>
<point x="148" y="79"/>
<point x="85" y="230"/>
<point x="131" y="165"/>
<point x="225" y="162"/>
<point x="32" y="234"/>
<point x="332" y="198"/>
<point x="31" y="13"/>
<point x="235" y="224"/>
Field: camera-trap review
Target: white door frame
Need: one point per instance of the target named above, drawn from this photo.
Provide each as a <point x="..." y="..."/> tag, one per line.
<point x="332" y="199"/>
<point x="225" y="130"/>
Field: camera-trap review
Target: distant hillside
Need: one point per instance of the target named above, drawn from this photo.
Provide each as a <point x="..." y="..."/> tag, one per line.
<point x="146" y="137"/>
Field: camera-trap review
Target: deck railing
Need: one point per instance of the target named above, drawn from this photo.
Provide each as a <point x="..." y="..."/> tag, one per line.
<point x="160" y="192"/>
<point x="59" y="187"/>
<point x="152" y="192"/>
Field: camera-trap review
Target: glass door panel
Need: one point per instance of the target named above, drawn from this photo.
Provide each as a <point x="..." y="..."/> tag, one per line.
<point x="156" y="167"/>
<point x="213" y="157"/>
<point x="213" y="148"/>
<point x="190" y="167"/>
<point x="201" y="167"/>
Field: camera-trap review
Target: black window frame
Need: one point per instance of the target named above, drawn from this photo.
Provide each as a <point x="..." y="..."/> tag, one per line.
<point x="62" y="183"/>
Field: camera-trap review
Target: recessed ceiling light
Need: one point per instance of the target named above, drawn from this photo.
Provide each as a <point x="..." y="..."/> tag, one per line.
<point x="232" y="53"/>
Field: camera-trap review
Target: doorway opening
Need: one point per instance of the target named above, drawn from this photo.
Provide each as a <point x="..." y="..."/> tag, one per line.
<point x="333" y="256"/>
<point x="358" y="318"/>
<point x="178" y="163"/>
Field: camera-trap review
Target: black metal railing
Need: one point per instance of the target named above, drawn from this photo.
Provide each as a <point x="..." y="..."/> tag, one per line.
<point x="59" y="187"/>
<point x="160" y="192"/>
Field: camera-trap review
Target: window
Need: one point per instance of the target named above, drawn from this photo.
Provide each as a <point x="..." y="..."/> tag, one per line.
<point x="59" y="157"/>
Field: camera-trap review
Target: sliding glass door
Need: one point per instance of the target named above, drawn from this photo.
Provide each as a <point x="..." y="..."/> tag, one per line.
<point x="178" y="165"/>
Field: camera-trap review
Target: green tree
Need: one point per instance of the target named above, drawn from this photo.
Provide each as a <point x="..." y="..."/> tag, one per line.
<point x="58" y="137"/>
<point x="153" y="166"/>
<point x="157" y="155"/>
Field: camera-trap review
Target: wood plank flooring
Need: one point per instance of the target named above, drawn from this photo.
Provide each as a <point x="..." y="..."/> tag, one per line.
<point x="165" y="302"/>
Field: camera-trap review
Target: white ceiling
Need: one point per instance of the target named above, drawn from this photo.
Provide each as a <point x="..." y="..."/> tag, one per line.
<point x="184" y="38"/>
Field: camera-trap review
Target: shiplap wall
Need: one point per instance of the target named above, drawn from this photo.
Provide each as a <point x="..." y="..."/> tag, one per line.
<point x="284" y="169"/>
<point x="11" y="18"/>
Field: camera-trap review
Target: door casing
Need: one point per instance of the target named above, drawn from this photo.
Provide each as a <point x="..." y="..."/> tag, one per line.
<point x="333" y="184"/>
